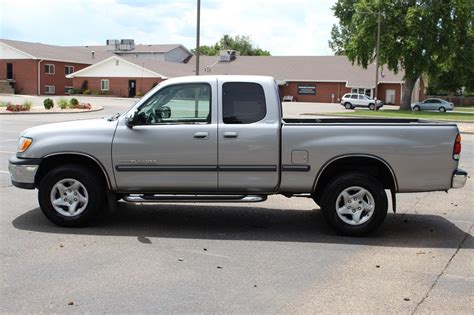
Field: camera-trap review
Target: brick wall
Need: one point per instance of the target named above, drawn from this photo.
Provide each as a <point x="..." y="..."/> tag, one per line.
<point x="382" y="92"/>
<point x="117" y="86"/>
<point x="324" y="91"/>
<point x="25" y="74"/>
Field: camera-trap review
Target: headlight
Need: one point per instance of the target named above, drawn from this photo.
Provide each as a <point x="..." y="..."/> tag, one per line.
<point x="23" y="144"/>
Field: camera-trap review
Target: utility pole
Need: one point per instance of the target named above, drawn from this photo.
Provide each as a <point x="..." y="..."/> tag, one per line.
<point x="198" y="31"/>
<point x="377" y="52"/>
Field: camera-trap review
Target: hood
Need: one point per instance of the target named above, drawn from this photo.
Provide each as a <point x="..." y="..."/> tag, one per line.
<point x="86" y="126"/>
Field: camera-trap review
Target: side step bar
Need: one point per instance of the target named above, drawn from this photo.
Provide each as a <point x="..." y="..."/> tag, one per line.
<point x="193" y="198"/>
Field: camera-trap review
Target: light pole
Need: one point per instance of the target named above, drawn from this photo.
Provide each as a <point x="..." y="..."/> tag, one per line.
<point x="198" y="28"/>
<point x="377" y="52"/>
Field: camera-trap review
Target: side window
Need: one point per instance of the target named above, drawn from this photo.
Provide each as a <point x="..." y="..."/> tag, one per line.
<point x="178" y="104"/>
<point x="243" y="103"/>
<point x="354" y="96"/>
<point x="361" y="97"/>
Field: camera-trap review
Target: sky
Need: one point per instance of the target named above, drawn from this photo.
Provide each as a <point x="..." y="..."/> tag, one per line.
<point x="291" y="27"/>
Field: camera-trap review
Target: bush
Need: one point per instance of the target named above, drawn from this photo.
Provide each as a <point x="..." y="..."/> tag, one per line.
<point x="82" y="106"/>
<point x="73" y="102"/>
<point x="18" y="108"/>
<point x="27" y="104"/>
<point x="95" y="93"/>
<point x="48" y="103"/>
<point x="86" y="92"/>
<point x="75" y="91"/>
<point x="63" y="103"/>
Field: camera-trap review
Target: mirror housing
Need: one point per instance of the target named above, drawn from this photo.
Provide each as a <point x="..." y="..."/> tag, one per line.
<point x="163" y="112"/>
<point x="129" y="121"/>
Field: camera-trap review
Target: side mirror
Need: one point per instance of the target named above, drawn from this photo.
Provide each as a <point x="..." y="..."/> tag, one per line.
<point x="163" y="112"/>
<point x="129" y="121"/>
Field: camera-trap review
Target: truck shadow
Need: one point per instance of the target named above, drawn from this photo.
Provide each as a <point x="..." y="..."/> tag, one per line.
<point x="252" y="224"/>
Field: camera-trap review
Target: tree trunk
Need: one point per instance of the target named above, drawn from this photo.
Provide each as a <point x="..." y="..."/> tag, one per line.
<point x="407" y="91"/>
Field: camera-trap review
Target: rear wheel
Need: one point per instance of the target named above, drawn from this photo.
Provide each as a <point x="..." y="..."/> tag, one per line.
<point x="71" y="195"/>
<point x="354" y="204"/>
<point x="416" y="108"/>
<point x="371" y="106"/>
<point x="348" y="105"/>
<point x="442" y="109"/>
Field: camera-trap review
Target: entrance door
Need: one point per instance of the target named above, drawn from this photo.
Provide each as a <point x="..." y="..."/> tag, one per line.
<point x="9" y="71"/>
<point x="390" y="97"/>
<point x="172" y="145"/>
<point x="132" y="88"/>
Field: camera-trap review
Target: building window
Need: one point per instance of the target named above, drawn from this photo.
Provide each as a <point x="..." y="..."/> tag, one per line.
<point x="49" y="89"/>
<point x="68" y="89"/>
<point x="104" y="85"/>
<point x="365" y="91"/>
<point x="68" y="70"/>
<point x="49" y="69"/>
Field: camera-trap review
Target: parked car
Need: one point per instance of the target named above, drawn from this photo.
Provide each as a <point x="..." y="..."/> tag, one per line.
<point x="352" y="100"/>
<point x="223" y="139"/>
<point x="433" y="104"/>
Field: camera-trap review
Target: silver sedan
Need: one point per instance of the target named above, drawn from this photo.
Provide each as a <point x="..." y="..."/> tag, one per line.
<point x="433" y="104"/>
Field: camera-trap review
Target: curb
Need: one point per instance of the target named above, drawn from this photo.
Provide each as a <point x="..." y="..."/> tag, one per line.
<point x="52" y="113"/>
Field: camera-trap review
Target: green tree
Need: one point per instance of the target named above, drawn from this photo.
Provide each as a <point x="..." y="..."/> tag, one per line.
<point x="242" y="44"/>
<point x="418" y="36"/>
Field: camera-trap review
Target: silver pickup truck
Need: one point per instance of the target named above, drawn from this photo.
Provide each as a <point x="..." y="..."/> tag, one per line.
<point x="223" y="139"/>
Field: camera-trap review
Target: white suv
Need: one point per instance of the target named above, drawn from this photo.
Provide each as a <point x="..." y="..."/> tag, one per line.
<point x="352" y="100"/>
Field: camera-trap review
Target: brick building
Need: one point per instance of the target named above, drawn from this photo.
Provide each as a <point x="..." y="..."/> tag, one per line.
<point x="40" y="69"/>
<point x="121" y="68"/>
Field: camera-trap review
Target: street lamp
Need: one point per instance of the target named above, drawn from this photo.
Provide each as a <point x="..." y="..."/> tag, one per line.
<point x="377" y="52"/>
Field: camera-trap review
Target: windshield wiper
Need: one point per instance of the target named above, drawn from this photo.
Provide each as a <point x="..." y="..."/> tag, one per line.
<point x="114" y="117"/>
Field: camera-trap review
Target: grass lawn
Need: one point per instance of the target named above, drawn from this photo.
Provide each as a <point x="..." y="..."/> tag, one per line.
<point x="391" y="113"/>
<point x="469" y="109"/>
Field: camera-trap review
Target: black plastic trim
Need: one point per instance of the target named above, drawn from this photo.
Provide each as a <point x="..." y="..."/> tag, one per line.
<point x="24" y="161"/>
<point x="248" y="168"/>
<point x="23" y="185"/>
<point x="295" y="168"/>
<point x="166" y="168"/>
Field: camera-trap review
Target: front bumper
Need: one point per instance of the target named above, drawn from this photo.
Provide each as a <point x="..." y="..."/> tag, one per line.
<point x="23" y="172"/>
<point x="459" y="179"/>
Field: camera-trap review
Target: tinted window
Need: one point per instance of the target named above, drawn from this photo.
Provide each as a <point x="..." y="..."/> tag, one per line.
<point x="354" y="96"/>
<point x="182" y="103"/>
<point x="361" y="97"/>
<point x="243" y="103"/>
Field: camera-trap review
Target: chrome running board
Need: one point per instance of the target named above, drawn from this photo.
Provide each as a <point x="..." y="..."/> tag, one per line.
<point x="193" y="198"/>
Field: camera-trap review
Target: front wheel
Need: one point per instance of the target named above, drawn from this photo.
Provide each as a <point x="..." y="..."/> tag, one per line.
<point x="71" y="196"/>
<point x="371" y="106"/>
<point x="354" y="204"/>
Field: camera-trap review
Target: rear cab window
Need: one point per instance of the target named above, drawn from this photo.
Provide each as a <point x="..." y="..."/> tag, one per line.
<point x="243" y="103"/>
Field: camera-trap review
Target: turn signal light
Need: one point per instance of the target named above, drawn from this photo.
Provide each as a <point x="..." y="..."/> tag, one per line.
<point x="24" y="144"/>
<point x="457" y="148"/>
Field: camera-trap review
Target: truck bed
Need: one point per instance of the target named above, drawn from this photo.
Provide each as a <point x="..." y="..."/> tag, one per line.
<point x="357" y="121"/>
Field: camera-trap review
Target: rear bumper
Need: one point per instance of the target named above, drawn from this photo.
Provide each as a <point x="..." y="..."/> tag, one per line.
<point x="459" y="179"/>
<point x="23" y="172"/>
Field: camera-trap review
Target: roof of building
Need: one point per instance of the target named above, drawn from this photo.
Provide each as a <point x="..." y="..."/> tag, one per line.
<point x="284" y="68"/>
<point x="83" y="54"/>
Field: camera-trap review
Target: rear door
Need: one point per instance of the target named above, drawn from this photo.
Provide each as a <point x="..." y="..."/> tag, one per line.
<point x="248" y="137"/>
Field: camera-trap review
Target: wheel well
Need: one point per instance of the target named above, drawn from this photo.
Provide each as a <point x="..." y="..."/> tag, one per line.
<point x="367" y="165"/>
<point x="54" y="161"/>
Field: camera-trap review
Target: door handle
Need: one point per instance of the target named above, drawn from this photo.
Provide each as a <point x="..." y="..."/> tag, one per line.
<point x="230" y="134"/>
<point x="201" y="135"/>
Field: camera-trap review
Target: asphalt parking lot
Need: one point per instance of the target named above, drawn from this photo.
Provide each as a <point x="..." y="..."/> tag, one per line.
<point x="274" y="257"/>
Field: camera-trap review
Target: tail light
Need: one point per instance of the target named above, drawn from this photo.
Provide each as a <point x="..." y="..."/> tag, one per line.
<point x="457" y="148"/>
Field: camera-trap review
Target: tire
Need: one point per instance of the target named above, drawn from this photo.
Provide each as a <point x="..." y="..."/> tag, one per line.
<point x="416" y="108"/>
<point x="371" y="106"/>
<point x="365" y="192"/>
<point x="83" y="193"/>
<point x="348" y="105"/>
<point x="442" y="109"/>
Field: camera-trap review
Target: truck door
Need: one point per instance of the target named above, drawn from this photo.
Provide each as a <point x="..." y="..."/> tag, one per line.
<point x="173" y="147"/>
<point x="248" y="137"/>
